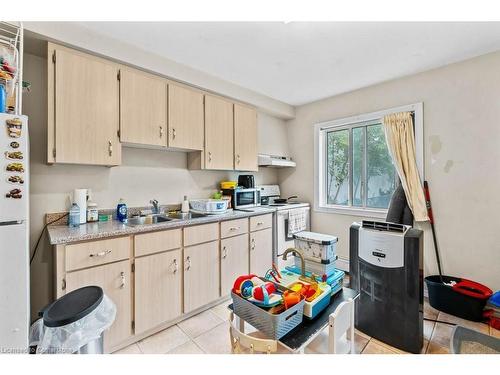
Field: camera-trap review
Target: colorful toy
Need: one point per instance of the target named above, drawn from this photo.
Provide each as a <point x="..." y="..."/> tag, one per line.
<point x="243" y="285"/>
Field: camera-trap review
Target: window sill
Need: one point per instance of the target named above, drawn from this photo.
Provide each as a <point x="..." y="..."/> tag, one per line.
<point x="352" y="211"/>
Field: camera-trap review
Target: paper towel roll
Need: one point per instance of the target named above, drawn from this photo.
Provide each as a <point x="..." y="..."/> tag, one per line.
<point x="80" y="198"/>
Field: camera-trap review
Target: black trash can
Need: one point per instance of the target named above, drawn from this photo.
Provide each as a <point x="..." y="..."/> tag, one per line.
<point x="74" y="323"/>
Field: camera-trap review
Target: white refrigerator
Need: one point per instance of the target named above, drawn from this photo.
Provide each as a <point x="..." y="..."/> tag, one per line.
<point x="14" y="234"/>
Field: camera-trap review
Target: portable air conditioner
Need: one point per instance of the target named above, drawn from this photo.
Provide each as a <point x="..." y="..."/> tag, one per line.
<point x="386" y="267"/>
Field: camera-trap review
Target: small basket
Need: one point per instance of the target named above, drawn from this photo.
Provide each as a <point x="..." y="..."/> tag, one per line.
<point x="274" y="326"/>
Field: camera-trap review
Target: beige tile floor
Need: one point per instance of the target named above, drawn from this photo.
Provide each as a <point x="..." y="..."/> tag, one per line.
<point x="208" y="332"/>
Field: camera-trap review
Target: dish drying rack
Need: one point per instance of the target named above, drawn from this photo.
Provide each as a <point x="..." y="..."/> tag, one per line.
<point x="11" y="49"/>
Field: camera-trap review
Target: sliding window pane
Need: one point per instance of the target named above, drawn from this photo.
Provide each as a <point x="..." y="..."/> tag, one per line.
<point x="380" y="172"/>
<point x="357" y="165"/>
<point x="337" y="182"/>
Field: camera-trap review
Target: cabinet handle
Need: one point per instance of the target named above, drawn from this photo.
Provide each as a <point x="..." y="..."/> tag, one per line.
<point x="260" y="223"/>
<point x="173" y="133"/>
<point x="161" y="131"/>
<point x="188" y="263"/>
<point x="252" y="247"/>
<point x="110" y="148"/>
<point x="209" y="156"/>
<point x="234" y="228"/>
<point x="176" y="266"/>
<point x="224" y="252"/>
<point x="122" y="276"/>
<point x="237" y="159"/>
<point x="101" y="254"/>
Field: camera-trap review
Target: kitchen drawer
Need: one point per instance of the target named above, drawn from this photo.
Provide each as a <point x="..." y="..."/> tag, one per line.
<point x="95" y="253"/>
<point x="232" y="228"/>
<point x="261" y="222"/>
<point x="156" y="242"/>
<point x="201" y="233"/>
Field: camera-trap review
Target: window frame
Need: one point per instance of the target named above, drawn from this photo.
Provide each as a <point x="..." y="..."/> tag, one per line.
<point x="320" y="174"/>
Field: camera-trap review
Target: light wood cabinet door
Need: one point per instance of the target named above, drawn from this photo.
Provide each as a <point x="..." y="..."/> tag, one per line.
<point x="86" y="110"/>
<point x="143" y="108"/>
<point x="245" y="138"/>
<point x="201" y="275"/>
<point x="158" y="289"/>
<point x="261" y="251"/>
<point x="115" y="280"/>
<point x="185" y="118"/>
<point x="233" y="261"/>
<point x="218" y="133"/>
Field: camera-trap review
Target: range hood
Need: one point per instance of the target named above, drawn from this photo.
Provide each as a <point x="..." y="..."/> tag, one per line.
<point x="275" y="161"/>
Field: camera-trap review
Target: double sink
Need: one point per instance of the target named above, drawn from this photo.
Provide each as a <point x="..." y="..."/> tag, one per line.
<point x="162" y="218"/>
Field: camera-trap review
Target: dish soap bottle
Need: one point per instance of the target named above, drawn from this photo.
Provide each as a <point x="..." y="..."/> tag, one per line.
<point x="185" y="205"/>
<point x="121" y="211"/>
<point x="74" y="215"/>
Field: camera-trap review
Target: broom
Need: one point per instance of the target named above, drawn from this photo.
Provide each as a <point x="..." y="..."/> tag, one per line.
<point x="431" y="220"/>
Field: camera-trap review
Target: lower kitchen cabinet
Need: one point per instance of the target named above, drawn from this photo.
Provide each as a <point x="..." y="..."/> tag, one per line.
<point x="114" y="279"/>
<point x="233" y="262"/>
<point x="158" y="289"/>
<point x="261" y="251"/>
<point x="201" y="275"/>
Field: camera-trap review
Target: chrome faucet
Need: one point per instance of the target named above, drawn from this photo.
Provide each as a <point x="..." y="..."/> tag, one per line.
<point x="156" y="206"/>
<point x="296" y="252"/>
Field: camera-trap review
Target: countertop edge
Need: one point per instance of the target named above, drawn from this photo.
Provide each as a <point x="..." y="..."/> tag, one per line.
<point x="63" y="235"/>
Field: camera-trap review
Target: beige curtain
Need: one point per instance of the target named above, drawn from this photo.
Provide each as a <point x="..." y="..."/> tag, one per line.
<point x="400" y="140"/>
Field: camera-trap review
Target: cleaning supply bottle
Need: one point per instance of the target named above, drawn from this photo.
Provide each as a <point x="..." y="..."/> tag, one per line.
<point x="185" y="205"/>
<point x="74" y="215"/>
<point x="121" y="211"/>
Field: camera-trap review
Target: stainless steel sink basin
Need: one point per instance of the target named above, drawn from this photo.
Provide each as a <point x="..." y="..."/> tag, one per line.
<point x="186" y="216"/>
<point x="141" y="220"/>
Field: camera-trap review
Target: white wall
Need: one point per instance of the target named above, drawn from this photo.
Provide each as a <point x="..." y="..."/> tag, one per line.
<point x="272" y="137"/>
<point x="143" y="175"/>
<point x="462" y="153"/>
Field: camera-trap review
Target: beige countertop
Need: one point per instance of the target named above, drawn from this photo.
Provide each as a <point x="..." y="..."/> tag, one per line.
<point x="63" y="234"/>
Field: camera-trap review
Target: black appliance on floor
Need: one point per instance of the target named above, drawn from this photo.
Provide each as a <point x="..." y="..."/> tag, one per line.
<point x="386" y="267"/>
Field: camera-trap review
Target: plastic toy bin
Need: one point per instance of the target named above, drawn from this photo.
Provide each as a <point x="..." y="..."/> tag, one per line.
<point x="274" y="326"/>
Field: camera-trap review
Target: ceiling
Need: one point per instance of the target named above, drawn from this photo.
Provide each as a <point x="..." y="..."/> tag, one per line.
<point x="300" y="62"/>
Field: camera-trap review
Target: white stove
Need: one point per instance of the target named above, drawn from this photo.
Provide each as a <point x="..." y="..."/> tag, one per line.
<point x="282" y="238"/>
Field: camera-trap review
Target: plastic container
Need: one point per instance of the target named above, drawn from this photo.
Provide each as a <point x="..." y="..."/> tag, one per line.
<point x="74" y="215"/>
<point x="274" y="326"/>
<point x="3" y="98"/>
<point x="316" y="246"/>
<point x="444" y="298"/>
<point x="92" y="212"/>
<point x="224" y="185"/>
<point x="319" y="269"/>
<point x="210" y="206"/>
<point x="335" y="280"/>
<point x="185" y="205"/>
<point x="122" y="211"/>
<point x="467" y="341"/>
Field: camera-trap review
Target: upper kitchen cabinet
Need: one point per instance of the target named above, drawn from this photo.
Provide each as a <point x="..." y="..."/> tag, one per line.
<point x="185" y="118"/>
<point x="219" y="147"/>
<point x="245" y="138"/>
<point x="83" y="109"/>
<point x="143" y="108"/>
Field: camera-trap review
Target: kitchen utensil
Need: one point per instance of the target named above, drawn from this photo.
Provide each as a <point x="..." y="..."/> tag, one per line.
<point x="284" y="200"/>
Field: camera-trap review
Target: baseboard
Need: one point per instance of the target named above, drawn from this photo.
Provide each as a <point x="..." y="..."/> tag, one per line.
<point x="342" y="264"/>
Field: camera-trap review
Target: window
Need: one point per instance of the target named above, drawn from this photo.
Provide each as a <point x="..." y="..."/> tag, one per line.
<point x="354" y="170"/>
